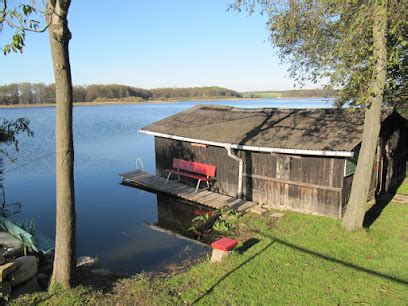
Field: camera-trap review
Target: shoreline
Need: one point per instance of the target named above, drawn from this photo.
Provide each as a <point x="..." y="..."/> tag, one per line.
<point x="148" y="102"/>
<point x="118" y="102"/>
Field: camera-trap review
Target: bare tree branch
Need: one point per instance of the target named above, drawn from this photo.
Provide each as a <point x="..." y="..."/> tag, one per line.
<point x="3" y="12"/>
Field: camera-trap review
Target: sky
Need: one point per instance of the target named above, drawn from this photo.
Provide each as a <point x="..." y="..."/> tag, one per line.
<point x="162" y="43"/>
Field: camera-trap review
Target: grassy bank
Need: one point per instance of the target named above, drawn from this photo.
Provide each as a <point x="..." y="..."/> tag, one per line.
<point x="263" y="94"/>
<point x="298" y="259"/>
<point x="300" y="93"/>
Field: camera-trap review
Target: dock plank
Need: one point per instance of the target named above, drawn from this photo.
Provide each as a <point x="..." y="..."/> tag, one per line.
<point x="173" y="187"/>
<point x="210" y="197"/>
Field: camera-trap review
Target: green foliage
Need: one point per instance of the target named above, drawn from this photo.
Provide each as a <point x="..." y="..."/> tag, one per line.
<point x="27" y="93"/>
<point x="221" y="222"/>
<point x="333" y="41"/>
<point x="17" y="43"/>
<point x="227" y="222"/>
<point x="113" y="91"/>
<point x="38" y="93"/>
<point x="9" y="130"/>
<point x="193" y="92"/>
<point x="20" y="18"/>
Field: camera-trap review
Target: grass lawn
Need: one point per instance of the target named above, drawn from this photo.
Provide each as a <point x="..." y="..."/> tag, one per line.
<point x="299" y="259"/>
<point x="403" y="189"/>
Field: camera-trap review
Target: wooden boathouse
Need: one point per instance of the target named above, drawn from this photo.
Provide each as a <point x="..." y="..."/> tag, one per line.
<point x="289" y="159"/>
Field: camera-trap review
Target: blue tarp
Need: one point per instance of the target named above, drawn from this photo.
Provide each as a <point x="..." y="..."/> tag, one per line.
<point x="35" y="242"/>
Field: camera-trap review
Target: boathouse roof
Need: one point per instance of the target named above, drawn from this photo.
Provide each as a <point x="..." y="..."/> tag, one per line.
<point x="328" y="129"/>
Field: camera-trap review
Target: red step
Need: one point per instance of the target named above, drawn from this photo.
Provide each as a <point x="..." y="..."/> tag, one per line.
<point x="224" y="244"/>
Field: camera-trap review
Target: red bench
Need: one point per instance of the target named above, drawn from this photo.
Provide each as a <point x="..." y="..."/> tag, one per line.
<point x="198" y="171"/>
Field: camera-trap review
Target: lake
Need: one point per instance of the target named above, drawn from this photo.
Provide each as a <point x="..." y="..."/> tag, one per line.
<point x="114" y="222"/>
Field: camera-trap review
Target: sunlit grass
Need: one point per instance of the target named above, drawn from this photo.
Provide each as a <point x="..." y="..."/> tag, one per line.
<point x="403" y="189"/>
<point x="299" y="259"/>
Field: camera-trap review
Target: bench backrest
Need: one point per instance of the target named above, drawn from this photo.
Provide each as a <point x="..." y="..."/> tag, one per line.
<point x="194" y="167"/>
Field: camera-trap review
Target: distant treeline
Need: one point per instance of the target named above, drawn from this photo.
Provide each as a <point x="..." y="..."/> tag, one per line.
<point x="39" y="93"/>
<point x="296" y="93"/>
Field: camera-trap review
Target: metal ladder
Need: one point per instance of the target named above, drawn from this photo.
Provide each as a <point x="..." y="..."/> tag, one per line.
<point x="139" y="161"/>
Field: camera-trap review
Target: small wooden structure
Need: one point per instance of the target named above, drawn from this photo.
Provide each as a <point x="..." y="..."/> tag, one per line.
<point x="295" y="159"/>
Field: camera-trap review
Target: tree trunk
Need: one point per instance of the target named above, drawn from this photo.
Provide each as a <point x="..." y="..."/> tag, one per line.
<point x="65" y="250"/>
<point x="356" y="207"/>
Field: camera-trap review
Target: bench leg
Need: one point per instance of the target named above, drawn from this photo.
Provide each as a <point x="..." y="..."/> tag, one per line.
<point x="208" y="185"/>
<point x="198" y="185"/>
<point x="168" y="177"/>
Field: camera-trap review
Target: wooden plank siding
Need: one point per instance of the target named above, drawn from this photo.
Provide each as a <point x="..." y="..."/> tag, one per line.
<point x="227" y="168"/>
<point x="300" y="183"/>
<point x="389" y="167"/>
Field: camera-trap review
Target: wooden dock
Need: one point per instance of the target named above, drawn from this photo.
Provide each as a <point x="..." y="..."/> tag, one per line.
<point x="204" y="197"/>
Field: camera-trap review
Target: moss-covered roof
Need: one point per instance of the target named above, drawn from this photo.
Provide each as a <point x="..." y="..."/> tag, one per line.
<point x="308" y="129"/>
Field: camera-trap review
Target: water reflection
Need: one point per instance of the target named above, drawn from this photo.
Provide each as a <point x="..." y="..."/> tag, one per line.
<point x="175" y="215"/>
<point x="156" y="245"/>
<point x="7" y="209"/>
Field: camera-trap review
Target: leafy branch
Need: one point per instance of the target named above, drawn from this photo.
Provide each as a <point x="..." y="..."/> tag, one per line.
<point x="10" y="129"/>
<point x="21" y="19"/>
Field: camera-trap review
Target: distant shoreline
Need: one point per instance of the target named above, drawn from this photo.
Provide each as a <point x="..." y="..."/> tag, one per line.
<point x="35" y="105"/>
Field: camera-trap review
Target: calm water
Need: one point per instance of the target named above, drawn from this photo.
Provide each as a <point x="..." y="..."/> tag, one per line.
<point x="113" y="221"/>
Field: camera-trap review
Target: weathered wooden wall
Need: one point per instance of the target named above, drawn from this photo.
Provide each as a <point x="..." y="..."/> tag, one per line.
<point x="227" y="168"/>
<point x="389" y="168"/>
<point x="299" y="183"/>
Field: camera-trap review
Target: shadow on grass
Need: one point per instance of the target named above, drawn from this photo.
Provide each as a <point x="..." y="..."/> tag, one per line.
<point x="381" y="201"/>
<point x="247" y="245"/>
<point x="334" y="260"/>
<point x="375" y="211"/>
<point x="250" y="243"/>
<point x="344" y="263"/>
<point x="275" y="240"/>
